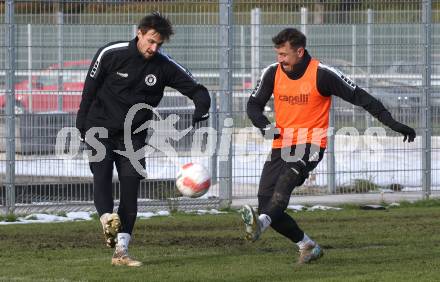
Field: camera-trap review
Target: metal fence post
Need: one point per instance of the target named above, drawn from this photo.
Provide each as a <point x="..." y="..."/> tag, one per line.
<point x="134" y="30"/>
<point x="213" y="123"/>
<point x="304" y="20"/>
<point x="242" y="60"/>
<point x="353" y="63"/>
<point x="255" y="45"/>
<point x="60" y="21"/>
<point x="369" y="56"/>
<point x="10" y="106"/>
<point x="225" y="83"/>
<point x="60" y="38"/>
<point x="426" y="108"/>
<point x="331" y="170"/>
<point x="29" y="38"/>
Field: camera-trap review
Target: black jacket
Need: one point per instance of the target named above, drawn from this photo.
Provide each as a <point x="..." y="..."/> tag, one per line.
<point x="120" y="77"/>
<point x="329" y="82"/>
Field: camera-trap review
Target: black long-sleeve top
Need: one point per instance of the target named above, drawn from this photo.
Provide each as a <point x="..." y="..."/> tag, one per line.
<point x="330" y="81"/>
<point x="120" y="77"/>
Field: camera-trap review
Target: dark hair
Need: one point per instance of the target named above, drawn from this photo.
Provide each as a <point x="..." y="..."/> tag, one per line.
<point x="157" y="22"/>
<point x="295" y="37"/>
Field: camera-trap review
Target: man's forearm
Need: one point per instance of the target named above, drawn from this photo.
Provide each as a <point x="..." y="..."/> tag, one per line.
<point x="255" y="114"/>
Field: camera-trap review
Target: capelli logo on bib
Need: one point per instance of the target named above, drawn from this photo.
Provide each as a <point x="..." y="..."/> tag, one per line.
<point x="150" y="80"/>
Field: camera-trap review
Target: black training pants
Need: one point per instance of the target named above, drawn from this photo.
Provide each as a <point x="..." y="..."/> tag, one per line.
<point x="129" y="180"/>
<point x="284" y="170"/>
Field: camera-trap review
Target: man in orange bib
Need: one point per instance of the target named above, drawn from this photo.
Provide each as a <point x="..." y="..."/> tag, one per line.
<point x="302" y="88"/>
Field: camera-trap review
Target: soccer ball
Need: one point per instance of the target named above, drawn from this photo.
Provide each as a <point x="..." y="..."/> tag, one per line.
<point x="193" y="180"/>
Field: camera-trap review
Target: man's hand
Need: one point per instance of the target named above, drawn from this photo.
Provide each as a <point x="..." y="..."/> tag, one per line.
<point x="408" y="132"/>
<point x="82" y="134"/>
<point x="198" y="117"/>
<point x="270" y="132"/>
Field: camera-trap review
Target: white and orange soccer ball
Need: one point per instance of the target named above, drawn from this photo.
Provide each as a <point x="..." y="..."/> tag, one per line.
<point x="193" y="180"/>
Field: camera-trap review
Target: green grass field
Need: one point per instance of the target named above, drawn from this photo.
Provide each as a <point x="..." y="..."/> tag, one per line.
<point x="400" y="244"/>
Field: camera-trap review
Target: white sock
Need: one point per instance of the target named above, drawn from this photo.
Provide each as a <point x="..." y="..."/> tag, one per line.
<point x="123" y="241"/>
<point x="265" y="221"/>
<point x="306" y="240"/>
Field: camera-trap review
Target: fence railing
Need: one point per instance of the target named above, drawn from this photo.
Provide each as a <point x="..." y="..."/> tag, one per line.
<point x="225" y="44"/>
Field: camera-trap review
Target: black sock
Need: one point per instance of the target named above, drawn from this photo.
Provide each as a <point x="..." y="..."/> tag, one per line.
<point x="127" y="210"/>
<point x="283" y="224"/>
<point x="287" y="226"/>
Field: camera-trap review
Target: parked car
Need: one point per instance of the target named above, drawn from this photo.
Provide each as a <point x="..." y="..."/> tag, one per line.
<point x="41" y="118"/>
<point x="393" y="93"/>
<point x="42" y="93"/>
<point x="409" y="73"/>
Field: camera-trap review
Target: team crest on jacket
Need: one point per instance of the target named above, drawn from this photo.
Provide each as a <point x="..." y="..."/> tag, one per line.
<point x="150" y="80"/>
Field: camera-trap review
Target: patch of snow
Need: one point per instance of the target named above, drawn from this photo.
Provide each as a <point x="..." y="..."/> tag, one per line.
<point x="412" y="189"/>
<point x="79" y="215"/>
<point x="146" y="215"/>
<point x="296" y="207"/>
<point x="211" y="211"/>
<point x="314" y="208"/>
<point x="383" y="190"/>
<point x="41" y="217"/>
<point x="323" y="208"/>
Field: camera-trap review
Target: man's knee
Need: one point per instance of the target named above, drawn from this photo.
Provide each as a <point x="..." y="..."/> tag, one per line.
<point x="290" y="178"/>
<point x="280" y="200"/>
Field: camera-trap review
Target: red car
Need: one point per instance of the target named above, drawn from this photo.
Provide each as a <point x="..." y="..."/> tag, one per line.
<point x="43" y="93"/>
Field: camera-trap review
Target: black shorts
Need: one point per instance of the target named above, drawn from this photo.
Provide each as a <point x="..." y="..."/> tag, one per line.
<point x="305" y="156"/>
<point x="122" y="163"/>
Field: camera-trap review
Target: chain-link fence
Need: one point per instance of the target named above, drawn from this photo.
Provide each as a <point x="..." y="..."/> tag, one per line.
<point x="389" y="48"/>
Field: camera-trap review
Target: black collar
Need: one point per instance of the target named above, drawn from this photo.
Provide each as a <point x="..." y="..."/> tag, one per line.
<point x="300" y="68"/>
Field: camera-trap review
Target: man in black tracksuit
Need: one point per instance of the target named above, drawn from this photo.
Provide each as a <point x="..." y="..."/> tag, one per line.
<point x="123" y="74"/>
<point x="301" y="87"/>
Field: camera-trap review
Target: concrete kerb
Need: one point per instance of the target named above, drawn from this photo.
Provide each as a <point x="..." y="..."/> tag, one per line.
<point x="336" y="200"/>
